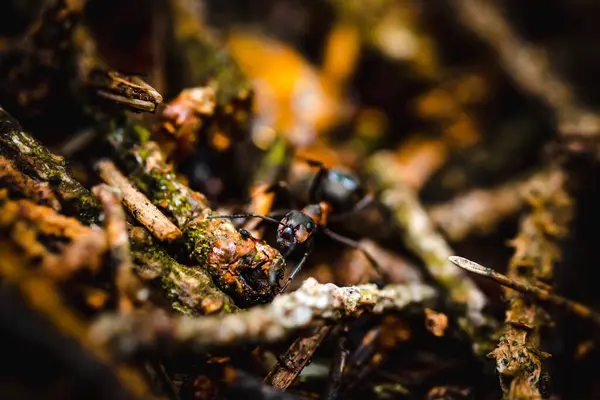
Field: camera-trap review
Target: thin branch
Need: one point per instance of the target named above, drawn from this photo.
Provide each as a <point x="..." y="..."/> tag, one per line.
<point x="481" y="210"/>
<point x="540" y="294"/>
<point x="528" y="66"/>
<point x="131" y="334"/>
<point x="138" y="204"/>
<point x="296" y="358"/>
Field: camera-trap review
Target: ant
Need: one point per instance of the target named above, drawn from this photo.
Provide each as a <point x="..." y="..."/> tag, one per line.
<point x="332" y="192"/>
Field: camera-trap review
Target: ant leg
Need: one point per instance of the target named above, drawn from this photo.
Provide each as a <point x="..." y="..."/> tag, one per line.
<point x="354" y="244"/>
<point x="273" y="275"/>
<point x="361" y="205"/>
<point x="283" y="187"/>
<point x="297" y="269"/>
<point x="234" y="216"/>
<point x="315" y="185"/>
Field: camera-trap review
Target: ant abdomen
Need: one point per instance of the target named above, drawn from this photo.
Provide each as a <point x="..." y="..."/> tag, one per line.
<point x="341" y="190"/>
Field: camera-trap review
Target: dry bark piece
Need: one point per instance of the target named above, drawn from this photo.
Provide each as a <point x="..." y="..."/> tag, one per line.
<point x="132" y="334"/>
<point x="138" y="204"/>
<point x="296" y="358"/>
<point x="62" y="244"/>
<point x="181" y="120"/>
<point x="21" y="185"/>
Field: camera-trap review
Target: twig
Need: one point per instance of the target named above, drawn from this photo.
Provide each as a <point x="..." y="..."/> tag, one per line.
<point x="34" y="160"/>
<point x="340" y="358"/>
<point x="190" y="289"/>
<point x="214" y="244"/>
<point x="528" y="66"/>
<point x="240" y="384"/>
<point x="34" y="229"/>
<point x="138" y="204"/>
<point x="540" y="294"/>
<point x="518" y="360"/>
<point x="296" y="358"/>
<point x="481" y="210"/>
<point x="128" y="286"/>
<point x="420" y="237"/>
<point x="132" y="334"/>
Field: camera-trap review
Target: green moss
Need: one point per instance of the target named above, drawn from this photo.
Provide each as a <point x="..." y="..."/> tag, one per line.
<point x="36" y="161"/>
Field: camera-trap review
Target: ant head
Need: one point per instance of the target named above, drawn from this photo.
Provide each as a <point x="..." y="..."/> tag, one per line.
<point x="295" y="228"/>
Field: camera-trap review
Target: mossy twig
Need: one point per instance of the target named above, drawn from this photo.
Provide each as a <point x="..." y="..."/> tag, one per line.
<point x="36" y="161"/>
<point x="421" y="238"/>
<point x="190" y="289"/>
<point x="214" y="244"/>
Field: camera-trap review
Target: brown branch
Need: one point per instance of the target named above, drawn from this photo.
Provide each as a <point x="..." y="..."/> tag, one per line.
<point x="296" y="358"/>
<point x="518" y="360"/>
<point x="287" y="313"/>
<point x="481" y="210"/>
<point x="528" y="66"/>
<point x="421" y="238"/>
<point x="540" y="294"/>
<point x="138" y="204"/>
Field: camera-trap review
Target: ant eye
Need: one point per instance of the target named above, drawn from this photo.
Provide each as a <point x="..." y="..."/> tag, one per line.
<point x="309" y="225"/>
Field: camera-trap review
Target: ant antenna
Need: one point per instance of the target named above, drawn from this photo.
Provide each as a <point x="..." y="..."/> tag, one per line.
<point x="354" y="244"/>
<point x="234" y="216"/>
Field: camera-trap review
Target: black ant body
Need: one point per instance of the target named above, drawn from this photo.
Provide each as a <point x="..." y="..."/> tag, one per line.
<point x="332" y="192"/>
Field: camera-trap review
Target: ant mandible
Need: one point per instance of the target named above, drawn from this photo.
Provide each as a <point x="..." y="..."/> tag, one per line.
<point x="333" y="194"/>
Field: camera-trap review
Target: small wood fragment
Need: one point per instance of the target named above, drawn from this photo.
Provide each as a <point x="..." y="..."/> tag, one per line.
<point x="138" y="204"/>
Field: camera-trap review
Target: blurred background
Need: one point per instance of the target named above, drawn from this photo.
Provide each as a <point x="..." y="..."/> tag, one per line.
<point x="468" y="95"/>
